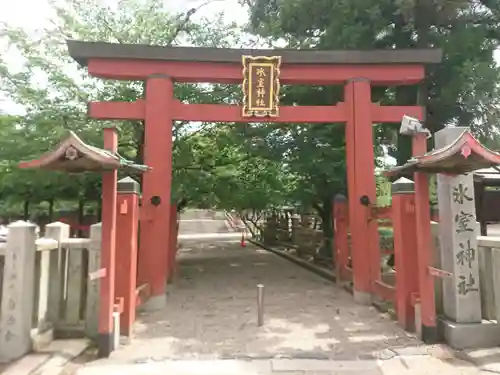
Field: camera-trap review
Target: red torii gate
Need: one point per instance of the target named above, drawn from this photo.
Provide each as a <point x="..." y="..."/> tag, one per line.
<point x="160" y="67"/>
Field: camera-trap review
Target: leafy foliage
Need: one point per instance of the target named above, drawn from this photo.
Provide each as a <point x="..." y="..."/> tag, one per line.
<point x="55" y="92"/>
<point x="462" y="90"/>
<point x="233" y="165"/>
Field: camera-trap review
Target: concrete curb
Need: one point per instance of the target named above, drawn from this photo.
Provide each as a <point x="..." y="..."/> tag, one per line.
<point x="324" y="273"/>
<point x="488" y="363"/>
<point x="231" y="367"/>
<point x="49" y="361"/>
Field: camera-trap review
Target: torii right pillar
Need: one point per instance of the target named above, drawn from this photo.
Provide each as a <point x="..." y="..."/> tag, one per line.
<point x="155" y="228"/>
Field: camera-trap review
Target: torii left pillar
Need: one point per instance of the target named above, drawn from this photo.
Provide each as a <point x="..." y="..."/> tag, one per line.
<point x="154" y="237"/>
<point x="361" y="188"/>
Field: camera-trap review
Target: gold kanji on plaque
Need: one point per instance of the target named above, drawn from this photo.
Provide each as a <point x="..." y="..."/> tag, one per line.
<point x="261" y="86"/>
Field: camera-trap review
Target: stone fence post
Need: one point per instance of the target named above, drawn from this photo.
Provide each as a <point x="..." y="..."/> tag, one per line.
<point x="18" y="292"/>
<point x="92" y="306"/>
<point x="57" y="231"/>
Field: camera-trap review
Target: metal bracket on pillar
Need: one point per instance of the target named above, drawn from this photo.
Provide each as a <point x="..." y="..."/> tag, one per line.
<point x="155" y="200"/>
<point x="412" y="126"/>
<point x="439" y="273"/>
<point x="119" y="305"/>
<point x="365" y="200"/>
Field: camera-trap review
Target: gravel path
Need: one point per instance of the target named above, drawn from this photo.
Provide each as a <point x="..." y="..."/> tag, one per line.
<point x="211" y="312"/>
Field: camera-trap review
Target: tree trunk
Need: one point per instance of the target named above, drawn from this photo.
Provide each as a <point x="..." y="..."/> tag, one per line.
<point x="423" y="26"/>
<point x="405" y="95"/>
<point x="81" y="214"/>
<point x="51" y="210"/>
<point x="99" y="210"/>
<point x="326" y="215"/>
<point x="26" y="210"/>
<point x="139" y="135"/>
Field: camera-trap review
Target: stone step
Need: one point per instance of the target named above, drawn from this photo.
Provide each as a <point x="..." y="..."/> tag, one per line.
<point x="192" y="214"/>
<point x="203" y="226"/>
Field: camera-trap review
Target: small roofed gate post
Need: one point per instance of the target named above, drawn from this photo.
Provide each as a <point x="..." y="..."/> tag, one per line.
<point x="72" y="155"/>
<point x="160" y="67"/>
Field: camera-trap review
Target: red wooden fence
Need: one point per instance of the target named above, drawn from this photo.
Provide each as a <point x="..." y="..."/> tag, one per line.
<point x="401" y="217"/>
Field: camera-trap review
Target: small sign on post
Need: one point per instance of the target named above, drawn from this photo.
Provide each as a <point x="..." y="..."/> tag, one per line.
<point x="261" y="86"/>
<point x="99" y="274"/>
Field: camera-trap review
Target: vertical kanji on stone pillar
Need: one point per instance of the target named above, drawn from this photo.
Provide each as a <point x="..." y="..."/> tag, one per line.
<point x="155" y="231"/>
<point x="127" y="225"/>
<point x="428" y="327"/>
<point x="93" y="284"/>
<point x="341" y="235"/>
<point x="458" y="234"/>
<point x="105" y="340"/>
<point x="361" y="188"/>
<point x="405" y="250"/>
<point x="16" y="314"/>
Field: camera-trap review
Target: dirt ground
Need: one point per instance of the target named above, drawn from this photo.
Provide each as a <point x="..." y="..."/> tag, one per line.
<point x="212" y="313"/>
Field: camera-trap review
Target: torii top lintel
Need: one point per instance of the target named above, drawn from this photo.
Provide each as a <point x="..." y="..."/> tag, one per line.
<point x="223" y="65"/>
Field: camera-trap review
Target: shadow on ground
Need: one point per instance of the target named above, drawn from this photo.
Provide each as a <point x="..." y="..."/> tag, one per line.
<point x="212" y="312"/>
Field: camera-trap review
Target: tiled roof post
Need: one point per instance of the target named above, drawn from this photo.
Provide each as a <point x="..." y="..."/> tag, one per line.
<point x="405" y="250"/>
<point x="127" y="226"/>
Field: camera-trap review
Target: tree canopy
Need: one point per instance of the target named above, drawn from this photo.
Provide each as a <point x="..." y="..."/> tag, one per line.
<point x="239" y="166"/>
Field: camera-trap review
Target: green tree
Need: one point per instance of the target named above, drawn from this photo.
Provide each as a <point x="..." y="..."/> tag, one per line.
<point x="211" y="175"/>
<point x="463" y="90"/>
<point x="236" y="177"/>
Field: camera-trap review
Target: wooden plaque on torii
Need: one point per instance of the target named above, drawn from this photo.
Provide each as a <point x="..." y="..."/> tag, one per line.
<point x="261" y="86"/>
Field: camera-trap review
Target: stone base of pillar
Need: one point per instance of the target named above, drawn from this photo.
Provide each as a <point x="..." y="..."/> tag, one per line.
<point x="469" y="335"/>
<point x="42" y="339"/>
<point x="362" y="298"/>
<point x="430" y="334"/>
<point x="155" y="303"/>
<point x="105" y="344"/>
<point x="418" y="320"/>
<point x="172" y="277"/>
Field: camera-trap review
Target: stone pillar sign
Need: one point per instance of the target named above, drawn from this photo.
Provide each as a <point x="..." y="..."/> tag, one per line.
<point x="458" y="231"/>
<point x="18" y="292"/>
<point x="93" y="284"/>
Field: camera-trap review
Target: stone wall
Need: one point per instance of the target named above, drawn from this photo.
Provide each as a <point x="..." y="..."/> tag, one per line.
<point x="2" y="261"/>
<point x="46" y="288"/>
<point x="295" y="232"/>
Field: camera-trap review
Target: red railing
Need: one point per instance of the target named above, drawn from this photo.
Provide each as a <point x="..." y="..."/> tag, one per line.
<point x="400" y="287"/>
<point x="382" y="289"/>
